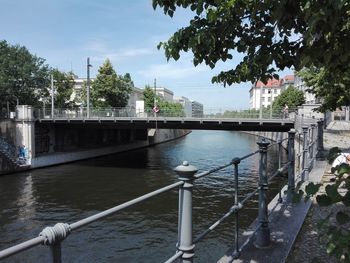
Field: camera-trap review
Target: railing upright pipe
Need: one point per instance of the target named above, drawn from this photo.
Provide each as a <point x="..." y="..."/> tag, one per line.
<point x="236" y="252"/>
<point x="312" y="148"/>
<point x="279" y="166"/>
<point x="263" y="233"/>
<point x="53" y="238"/>
<point x="305" y="167"/>
<point x="291" y="159"/>
<point x="320" y="147"/>
<point x="185" y="236"/>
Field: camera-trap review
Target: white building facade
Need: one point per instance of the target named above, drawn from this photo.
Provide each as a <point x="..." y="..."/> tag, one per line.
<point x="263" y="95"/>
<point x="186" y="104"/>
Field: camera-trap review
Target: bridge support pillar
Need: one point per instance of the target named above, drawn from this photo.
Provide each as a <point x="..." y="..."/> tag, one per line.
<point x="25" y="129"/>
<point x="185" y="228"/>
<point x="263" y="233"/>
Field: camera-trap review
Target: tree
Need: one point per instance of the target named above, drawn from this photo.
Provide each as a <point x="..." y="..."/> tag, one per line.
<point x="64" y="85"/>
<point x="109" y="89"/>
<point x="23" y="76"/>
<point x="271" y="36"/>
<point x="290" y="96"/>
<point x="148" y="97"/>
<point x="333" y="89"/>
<point x="166" y="108"/>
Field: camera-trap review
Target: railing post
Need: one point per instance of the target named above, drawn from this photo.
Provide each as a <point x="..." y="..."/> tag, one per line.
<point x="279" y="166"/>
<point x="185" y="240"/>
<point x="53" y="238"/>
<point x="312" y="148"/>
<point x="305" y="167"/>
<point x="236" y="252"/>
<point x="320" y="148"/>
<point x="291" y="159"/>
<point x="263" y="233"/>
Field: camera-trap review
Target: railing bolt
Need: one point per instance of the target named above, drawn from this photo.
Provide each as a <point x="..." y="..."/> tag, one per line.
<point x="263" y="233"/>
<point x="185" y="244"/>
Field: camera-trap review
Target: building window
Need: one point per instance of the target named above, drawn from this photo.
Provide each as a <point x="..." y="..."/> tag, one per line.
<point x="269" y="99"/>
<point x="275" y="91"/>
<point x="264" y="91"/>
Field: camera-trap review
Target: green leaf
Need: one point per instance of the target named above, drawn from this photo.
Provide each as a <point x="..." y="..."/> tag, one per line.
<point x="332" y="192"/>
<point x="331" y="247"/>
<point x="342" y="218"/>
<point x="323" y="200"/>
<point x="312" y="188"/>
<point x="346" y="199"/>
<point x="343" y="169"/>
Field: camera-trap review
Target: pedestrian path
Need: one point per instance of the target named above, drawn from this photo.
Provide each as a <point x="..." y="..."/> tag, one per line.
<point x="310" y="246"/>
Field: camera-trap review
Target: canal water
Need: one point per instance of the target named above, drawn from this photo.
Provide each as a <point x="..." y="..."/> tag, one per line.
<point x="146" y="232"/>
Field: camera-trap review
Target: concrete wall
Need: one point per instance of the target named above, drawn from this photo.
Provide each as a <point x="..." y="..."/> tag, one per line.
<point x="8" y="130"/>
<point x="65" y="157"/>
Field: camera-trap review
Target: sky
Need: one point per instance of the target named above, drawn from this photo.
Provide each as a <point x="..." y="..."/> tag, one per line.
<point x="67" y="32"/>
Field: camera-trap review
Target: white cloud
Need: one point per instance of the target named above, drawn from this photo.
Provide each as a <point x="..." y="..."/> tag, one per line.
<point x="173" y="71"/>
<point x="102" y="51"/>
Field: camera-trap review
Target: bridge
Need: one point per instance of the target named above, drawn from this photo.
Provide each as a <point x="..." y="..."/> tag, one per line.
<point x="130" y="119"/>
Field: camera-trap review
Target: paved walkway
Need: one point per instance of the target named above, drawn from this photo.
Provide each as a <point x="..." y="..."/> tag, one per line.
<point x="309" y="245"/>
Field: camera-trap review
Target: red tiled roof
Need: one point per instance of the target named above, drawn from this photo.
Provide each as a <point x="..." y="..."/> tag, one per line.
<point x="270" y="83"/>
<point x="274" y="82"/>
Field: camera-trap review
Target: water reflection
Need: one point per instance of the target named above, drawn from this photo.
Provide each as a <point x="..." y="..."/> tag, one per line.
<point x="146" y="232"/>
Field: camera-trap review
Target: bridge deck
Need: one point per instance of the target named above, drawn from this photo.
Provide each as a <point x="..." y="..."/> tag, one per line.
<point x="281" y="125"/>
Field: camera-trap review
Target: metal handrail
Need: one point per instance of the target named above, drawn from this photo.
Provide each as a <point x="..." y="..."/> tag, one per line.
<point x="53" y="236"/>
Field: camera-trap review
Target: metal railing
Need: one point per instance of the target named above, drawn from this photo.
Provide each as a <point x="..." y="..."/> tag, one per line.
<point x="187" y="174"/>
<point x="81" y="113"/>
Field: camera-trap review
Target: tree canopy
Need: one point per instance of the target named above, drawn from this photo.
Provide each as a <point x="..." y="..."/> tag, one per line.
<point x="64" y="85"/>
<point x="23" y="76"/>
<point x="271" y="35"/>
<point x="166" y="108"/>
<point x="290" y="96"/>
<point x="109" y="89"/>
<point x="333" y="89"/>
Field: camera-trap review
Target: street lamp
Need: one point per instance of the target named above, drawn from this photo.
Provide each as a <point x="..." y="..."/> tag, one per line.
<point x="88" y="87"/>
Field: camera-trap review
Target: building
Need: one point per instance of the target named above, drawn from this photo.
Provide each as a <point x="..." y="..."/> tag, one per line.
<point x="262" y="95"/>
<point x="301" y="85"/>
<point x="197" y="109"/>
<point x="164" y="93"/>
<point x="186" y="104"/>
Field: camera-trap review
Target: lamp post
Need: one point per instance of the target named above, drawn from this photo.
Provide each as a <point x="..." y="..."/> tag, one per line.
<point x="88" y="87"/>
<point x="271" y="103"/>
<point x="52" y="99"/>
<point x="260" y="108"/>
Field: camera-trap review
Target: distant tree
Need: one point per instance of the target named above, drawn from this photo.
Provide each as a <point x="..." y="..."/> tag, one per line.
<point x="148" y="97"/>
<point x="109" y="89"/>
<point x="290" y="96"/>
<point x="165" y="108"/>
<point x="64" y="85"/>
<point x="333" y="89"/>
<point x="269" y="35"/>
<point x="23" y="76"/>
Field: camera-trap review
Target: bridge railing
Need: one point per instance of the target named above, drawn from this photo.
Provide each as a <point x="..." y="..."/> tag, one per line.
<point x="131" y="112"/>
<point x="187" y="174"/>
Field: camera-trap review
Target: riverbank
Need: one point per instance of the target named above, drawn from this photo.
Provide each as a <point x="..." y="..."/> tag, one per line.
<point x="309" y="245"/>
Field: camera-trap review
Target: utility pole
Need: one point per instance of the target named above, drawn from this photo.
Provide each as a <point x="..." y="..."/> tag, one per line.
<point x="88" y="88"/>
<point x="260" y="108"/>
<point x="155" y="101"/>
<point x="271" y="103"/>
<point x="52" y="99"/>
<point x="155" y="94"/>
